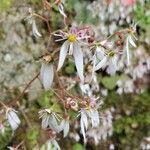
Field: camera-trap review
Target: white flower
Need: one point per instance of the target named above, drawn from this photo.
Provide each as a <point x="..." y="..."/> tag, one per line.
<point x="12" y="117"/>
<point x="31" y="21"/>
<point x="85" y="88"/>
<point x="52" y="145"/>
<point x="107" y="60"/>
<point x="126" y="86"/>
<point x="47" y="75"/>
<point x="65" y="127"/>
<point x="72" y="45"/>
<point x="49" y="119"/>
<point x="89" y="112"/>
<point x="130" y="40"/>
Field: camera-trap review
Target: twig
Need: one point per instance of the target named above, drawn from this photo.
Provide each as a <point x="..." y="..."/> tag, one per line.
<point x="23" y="92"/>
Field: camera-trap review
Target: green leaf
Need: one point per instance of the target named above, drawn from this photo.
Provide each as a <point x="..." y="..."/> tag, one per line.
<point x="78" y="146"/>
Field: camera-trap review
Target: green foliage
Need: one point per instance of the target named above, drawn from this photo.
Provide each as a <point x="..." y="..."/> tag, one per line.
<point x="132" y="120"/>
<point x="78" y="146"/>
<point x="79" y="9"/>
<point x="44" y="99"/>
<point x="5" y="4"/>
<point x="70" y="68"/>
<point x="6" y="137"/>
<point x="109" y="82"/>
<point x="140" y="14"/>
<point x="32" y="136"/>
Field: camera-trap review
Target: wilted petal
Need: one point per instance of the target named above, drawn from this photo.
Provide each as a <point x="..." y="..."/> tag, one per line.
<point x="35" y="30"/>
<point x="47" y="75"/>
<point x="63" y="54"/>
<point x="101" y="63"/>
<point x="78" y="56"/>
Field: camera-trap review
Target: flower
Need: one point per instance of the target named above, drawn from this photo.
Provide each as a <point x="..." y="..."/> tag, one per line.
<point x="108" y="60"/>
<point x="52" y="144"/>
<point x="89" y="111"/>
<point x="72" y="104"/>
<point x="47" y="75"/>
<point x="130" y="40"/>
<point x="31" y="21"/>
<point x="126" y="86"/>
<point x="49" y="119"/>
<point x="47" y="72"/>
<point x="72" y="44"/>
<point x="12" y="117"/>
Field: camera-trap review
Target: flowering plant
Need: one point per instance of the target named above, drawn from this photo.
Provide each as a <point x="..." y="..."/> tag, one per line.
<point x="78" y="98"/>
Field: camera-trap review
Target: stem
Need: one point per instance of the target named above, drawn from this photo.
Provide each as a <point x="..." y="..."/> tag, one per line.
<point x="3" y="104"/>
<point x="23" y="92"/>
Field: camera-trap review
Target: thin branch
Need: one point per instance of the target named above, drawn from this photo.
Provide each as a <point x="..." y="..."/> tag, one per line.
<point x="23" y="92"/>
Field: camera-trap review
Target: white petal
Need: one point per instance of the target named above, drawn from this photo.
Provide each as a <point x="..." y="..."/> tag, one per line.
<point x="94" y="64"/>
<point x="35" y="30"/>
<point x="112" y="65"/>
<point x="78" y="56"/>
<point x="131" y="41"/>
<point x="53" y="124"/>
<point x="101" y="63"/>
<point x="54" y="142"/>
<point x="47" y="75"/>
<point x="45" y="121"/>
<point x="61" y="10"/>
<point x="100" y="53"/>
<point x="63" y="54"/>
<point x="13" y="119"/>
<point x="127" y="52"/>
<point x="66" y="128"/>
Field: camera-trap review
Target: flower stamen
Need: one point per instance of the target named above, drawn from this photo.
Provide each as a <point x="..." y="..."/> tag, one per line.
<point x="72" y="38"/>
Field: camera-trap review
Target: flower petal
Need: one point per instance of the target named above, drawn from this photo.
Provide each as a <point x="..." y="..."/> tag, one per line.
<point x="78" y="56"/>
<point x="101" y="63"/>
<point x="45" y="121"/>
<point x="47" y="75"/>
<point x="63" y="54"/>
<point x="131" y="41"/>
<point x="56" y="145"/>
<point x="127" y="52"/>
<point x="13" y="119"/>
<point x="53" y="124"/>
<point x="61" y="10"/>
<point x="66" y="128"/>
<point x="35" y="30"/>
